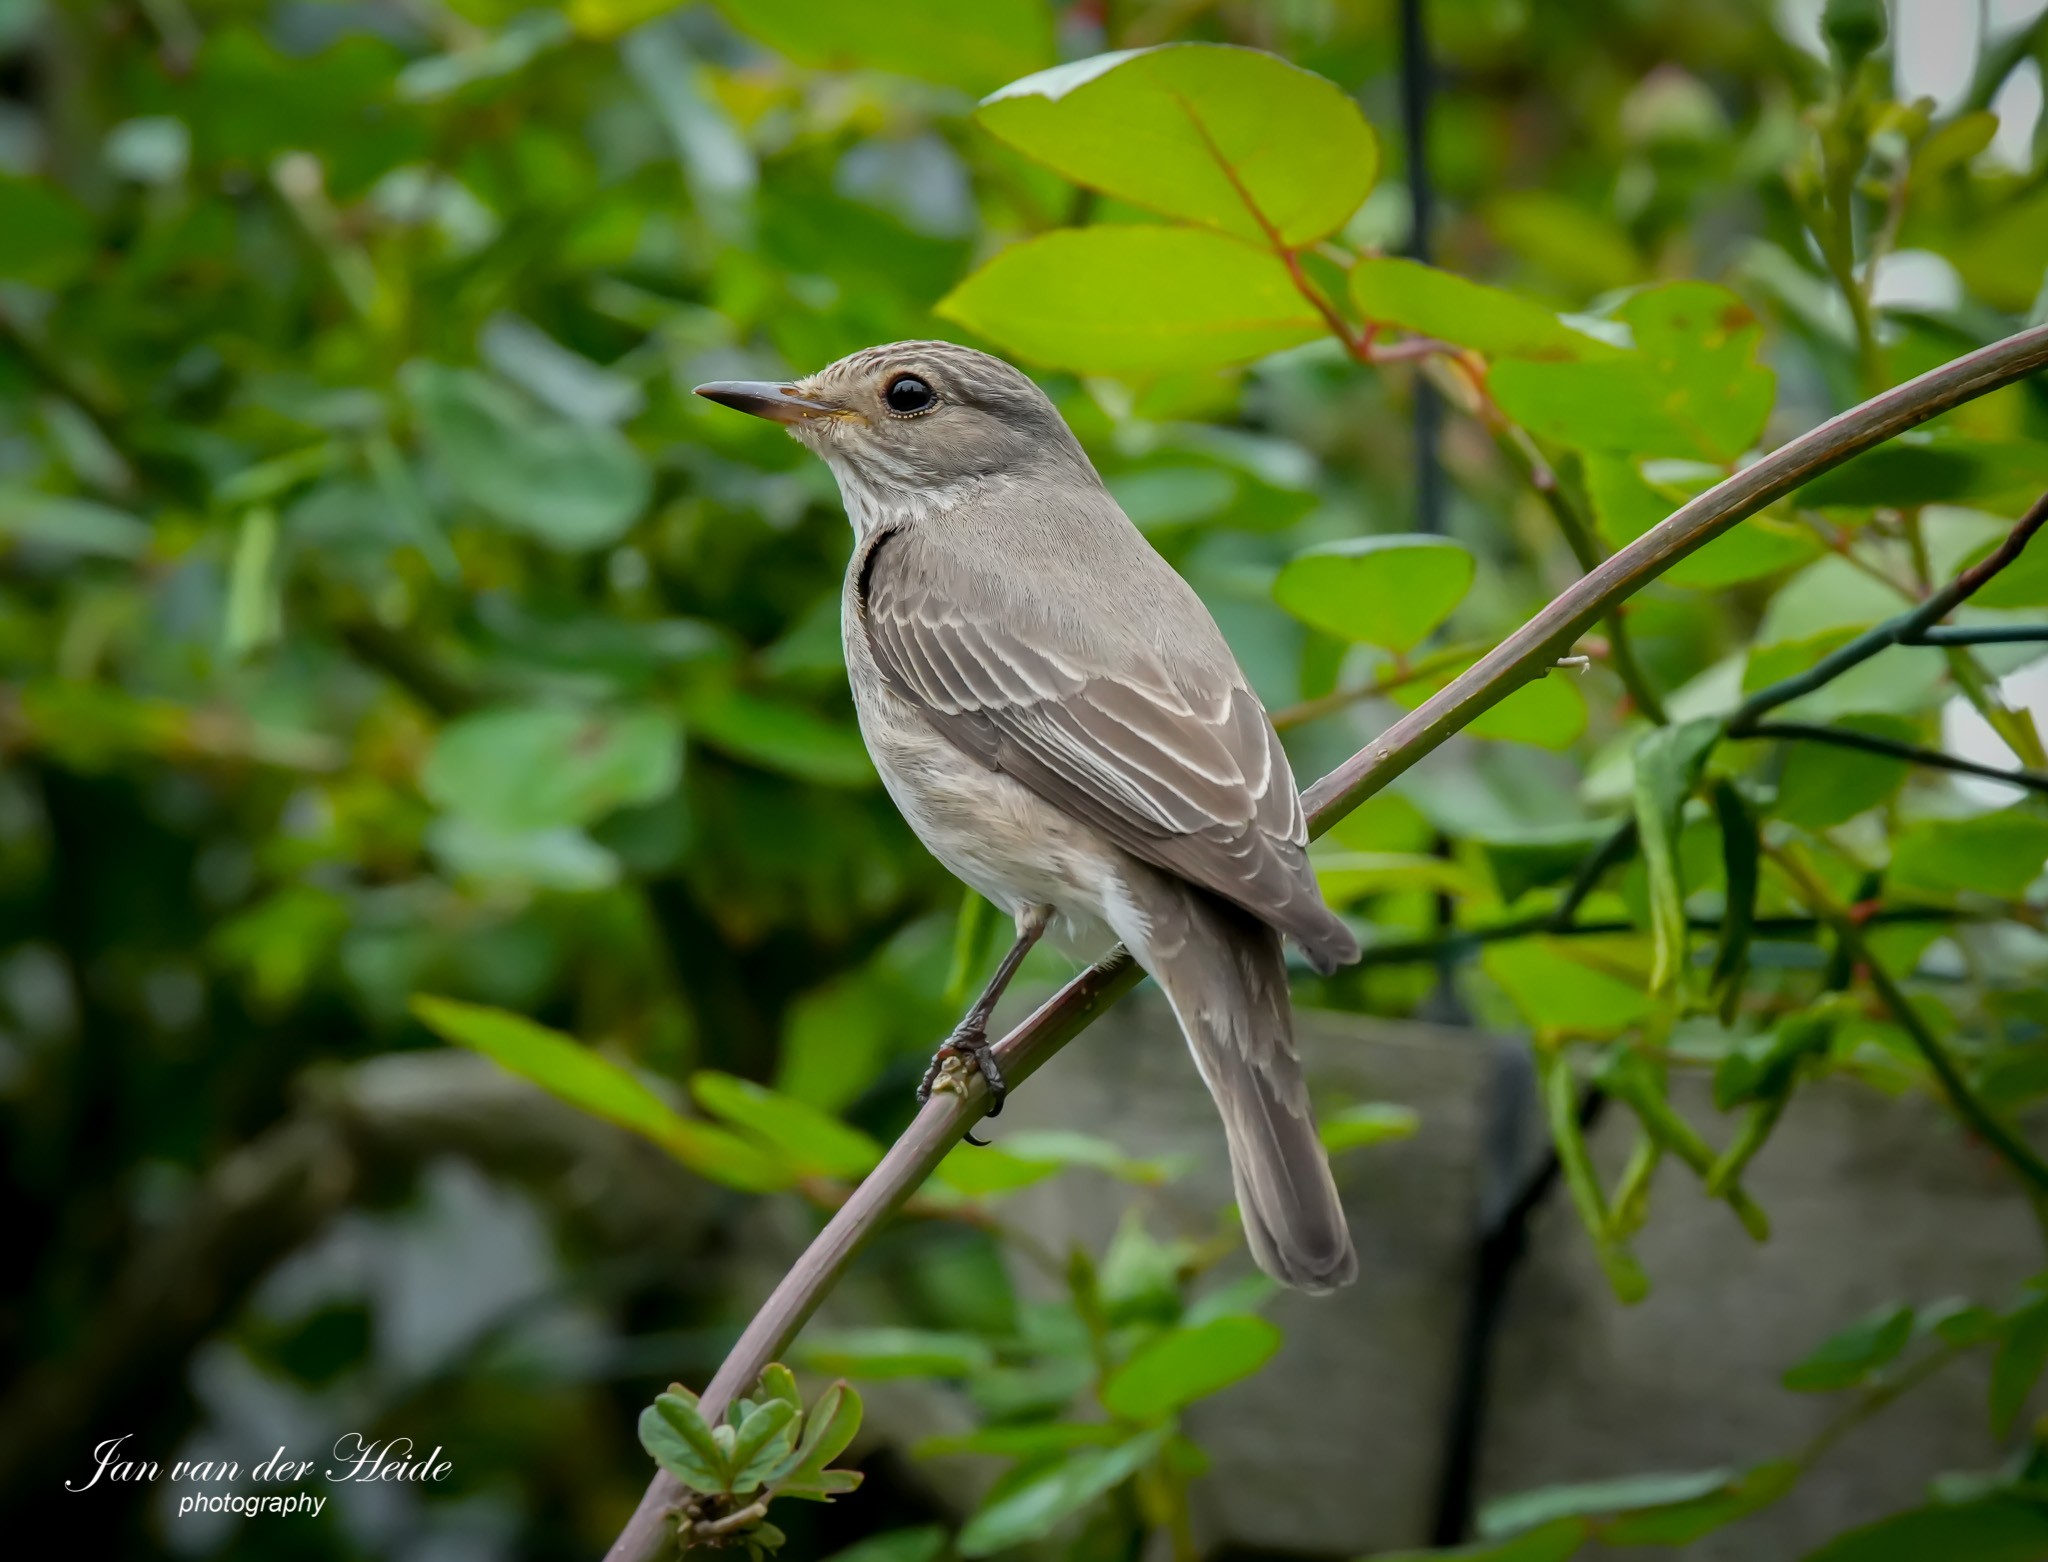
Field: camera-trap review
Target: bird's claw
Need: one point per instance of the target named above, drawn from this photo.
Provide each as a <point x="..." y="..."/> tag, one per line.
<point x="967" y="1048"/>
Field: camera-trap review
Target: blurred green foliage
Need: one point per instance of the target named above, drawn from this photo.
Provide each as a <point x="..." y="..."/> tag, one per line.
<point x="388" y="641"/>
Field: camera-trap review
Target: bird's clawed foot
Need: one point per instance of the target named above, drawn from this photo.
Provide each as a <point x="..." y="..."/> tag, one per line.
<point x="967" y="1048"/>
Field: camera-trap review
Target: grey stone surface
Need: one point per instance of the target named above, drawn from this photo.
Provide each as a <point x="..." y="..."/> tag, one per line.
<point x="1334" y="1447"/>
<point x="1872" y="1200"/>
<point x="1334" y="1450"/>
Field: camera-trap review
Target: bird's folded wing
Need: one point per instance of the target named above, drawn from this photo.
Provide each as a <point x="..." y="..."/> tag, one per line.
<point x="1195" y="784"/>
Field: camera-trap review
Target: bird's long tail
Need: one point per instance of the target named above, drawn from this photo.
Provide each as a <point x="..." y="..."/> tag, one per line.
<point x="1223" y="972"/>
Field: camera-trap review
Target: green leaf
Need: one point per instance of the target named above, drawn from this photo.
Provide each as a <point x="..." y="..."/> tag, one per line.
<point x="1995" y="854"/>
<point x="1691" y="388"/>
<point x="1031" y="1156"/>
<point x="1385" y="591"/>
<point x="1370" y="1122"/>
<point x="74" y="525"/>
<point x="1741" y="855"/>
<point x="1933" y="466"/>
<point x="1762" y="1067"/>
<point x="925" y="39"/>
<point x="1667" y="768"/>
<point x="675" y="1434"/>
<point x="571" y="485"/>
<point x="45" y="237"/>
<point x="812" y="1142"/>
<point x="1440" y="304"/>
<point x="596" y="1085"/>
<point x="1564" y="985"/>
<point x="1032" y="1441"/>
<point x="765" y="1434"/>
<point x="1233" y="138"/>
<point x="1530" y="857"/>
<point x="879" y="1354"/>
<point x="1185" y="1365"/>
<point x="1133" y="300"/>
<point x="1995" y="1529"/>
<point x="922" y="1544"/>
<point x="1626" y="505"/>
<point x="781" y="737"/>
<point x="2022" y="1355"/>
<point x="1034" y="1507"/>
<point x="1549" y="712"/>
<point x="1852" y="1355"/>
<point x="532" y="767"/>
<point x="1625" y="1494"/>
<point x="1347" y="877"/>
<point x="1822" y="785"/>
<point x="829" y="1430"/>
<point x="255" y="607"/>
<point x="1687" y="1519"/>
<point x="1556" y="1541"/>
<point x="778" y="1382"/>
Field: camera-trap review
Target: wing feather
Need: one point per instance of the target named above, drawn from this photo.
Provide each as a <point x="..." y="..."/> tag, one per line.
<point x="1194" y="783"/>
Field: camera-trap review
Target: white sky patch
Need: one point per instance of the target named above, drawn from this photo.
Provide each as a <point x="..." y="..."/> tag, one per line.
<point x="1934" y="49"/>
<point x="1916" y="279"/>
<point x="1968" y="735"/>
<point x="2002" y="16"/>
<point x="2018" y="107"/>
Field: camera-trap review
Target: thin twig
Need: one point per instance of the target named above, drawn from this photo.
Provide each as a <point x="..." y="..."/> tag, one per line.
<point x="1978" y="634"/>
<point x="1969" y="1106"/>
<point x="1893" y="631"/>
<point x="1912" y="753"/>
<point x="1521" y="658"/>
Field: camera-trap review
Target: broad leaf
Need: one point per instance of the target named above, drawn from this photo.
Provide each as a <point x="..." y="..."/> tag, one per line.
<point x="1851" y="1355"/>
<point x="1133" y="300"/>
<point x="2022" y="1355"/>
<point x="782" y="737"/>
<point x="1993" y="854"/>
<point x="927" y="39"/>
<point x="1370" y="1122"/>
<point x="675" y="1434"/>
<point x="596" y="1085"/>
<point x="1933" y="466"/>
<point x="1626" y="505"/>
<point x="807" y="1139"/>
<point x="1232" y="138"/>
<point x="1385" y="591"/>
<point x="1565" y="985"/>
<point x="571" y="485"/>
<point x="894" y="1353"/>
<point x="1440" y="304"/>
<point x="765" y="1436"/>
<point x="1624" y="1494"/>
<point x="1820" y="784"/>
<point x="533" y="767"/>
<point x="1995" y="1529"/>
<point x="1185" y="1365"/>
<point x="1549" y="712"/>
<point x="78" y="526"/>
<point x="1037" y="1505"/>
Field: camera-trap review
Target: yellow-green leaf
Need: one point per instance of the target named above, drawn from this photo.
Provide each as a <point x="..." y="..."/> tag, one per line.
<point x="1232" y="138"/>
<point x="1133" y="299"/>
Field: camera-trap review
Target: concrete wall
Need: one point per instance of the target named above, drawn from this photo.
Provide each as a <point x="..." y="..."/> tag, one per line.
<point x="1873" y="1200"/>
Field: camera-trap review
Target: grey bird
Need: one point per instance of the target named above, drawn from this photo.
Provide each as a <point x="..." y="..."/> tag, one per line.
<point x="1060" y="721"/>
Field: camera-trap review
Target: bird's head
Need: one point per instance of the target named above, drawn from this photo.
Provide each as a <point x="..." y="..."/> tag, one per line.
<point x="905" y="422"/>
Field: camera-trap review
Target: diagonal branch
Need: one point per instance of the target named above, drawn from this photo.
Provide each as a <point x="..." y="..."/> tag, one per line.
<point x="1522" y="657"/>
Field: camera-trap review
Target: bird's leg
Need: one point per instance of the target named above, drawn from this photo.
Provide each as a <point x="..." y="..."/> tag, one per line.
<point x="969" y="1041"/>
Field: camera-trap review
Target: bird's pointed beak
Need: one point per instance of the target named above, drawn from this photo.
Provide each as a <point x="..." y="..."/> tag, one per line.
<point x="765" y="399"/>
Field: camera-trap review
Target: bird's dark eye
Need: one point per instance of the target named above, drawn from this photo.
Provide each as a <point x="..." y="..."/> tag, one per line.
<point x="907" y="394"/>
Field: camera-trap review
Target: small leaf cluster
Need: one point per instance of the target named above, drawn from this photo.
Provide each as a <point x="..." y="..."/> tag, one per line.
<point x="766" y="1446"/>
